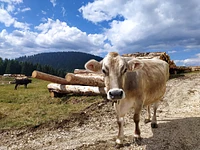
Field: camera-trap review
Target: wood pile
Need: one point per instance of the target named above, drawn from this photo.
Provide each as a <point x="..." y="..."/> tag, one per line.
<point x="149" y="55"/>
<point x="160" y="55"/>
<point x="81" y="82"/>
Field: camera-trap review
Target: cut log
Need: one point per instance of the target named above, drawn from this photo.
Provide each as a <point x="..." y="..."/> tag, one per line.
<point x="85" y="79"/>
<point x="80" y="71"/>
<point x="48" y="77"/>
<point x="76" y="89"/>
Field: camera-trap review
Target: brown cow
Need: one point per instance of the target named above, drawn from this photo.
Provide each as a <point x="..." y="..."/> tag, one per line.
<point x="132" y="83"/>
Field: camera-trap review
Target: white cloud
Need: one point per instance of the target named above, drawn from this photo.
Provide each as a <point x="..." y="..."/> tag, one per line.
<point x="57" y="34"/>
<point x="147" y="24"/>
<point x="20" y="25"/>
<point x="53" y="2"/>
<point x="10" y="8"/>
<point x="194" y="61"/>
<point x="26" y="9"/>
<point x="44" y="12"/>
<point x="52" y="35"/>
<point x="63" y="11"/>
<point x="12" y="1"/>
<point x="6" y="15"/>
<point x="6" y="18"/>
<point x="171" y="52"/>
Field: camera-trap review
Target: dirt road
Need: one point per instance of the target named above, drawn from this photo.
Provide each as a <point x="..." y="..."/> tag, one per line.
<point x="96" y="128"/>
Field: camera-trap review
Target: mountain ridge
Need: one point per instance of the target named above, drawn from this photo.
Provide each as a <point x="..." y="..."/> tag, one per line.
<point x="67" y="61"/>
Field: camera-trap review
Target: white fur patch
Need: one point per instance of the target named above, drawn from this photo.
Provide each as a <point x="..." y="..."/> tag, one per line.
<point x="136" y="136"/>
<point x="118" y="141"/>
<point x="121" y="119"/>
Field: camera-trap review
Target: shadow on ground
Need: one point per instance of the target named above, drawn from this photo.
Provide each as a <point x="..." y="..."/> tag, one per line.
<point x="182" y="134"/>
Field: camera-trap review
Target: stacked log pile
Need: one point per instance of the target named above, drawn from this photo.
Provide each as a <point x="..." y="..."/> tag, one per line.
<point x="149" y="55"/>
<point x="81" y="82"/>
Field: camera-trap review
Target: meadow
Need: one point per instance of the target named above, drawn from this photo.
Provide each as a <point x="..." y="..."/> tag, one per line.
<point x="34" y="106"/>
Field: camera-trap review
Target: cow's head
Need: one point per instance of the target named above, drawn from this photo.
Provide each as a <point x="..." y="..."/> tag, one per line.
<point x="114" y="67"/>
<point x="29" y="81"/>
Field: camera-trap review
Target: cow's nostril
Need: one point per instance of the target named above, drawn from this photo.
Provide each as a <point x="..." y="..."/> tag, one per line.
<point x="111" y="95"/>
<point x="121" y="93"/>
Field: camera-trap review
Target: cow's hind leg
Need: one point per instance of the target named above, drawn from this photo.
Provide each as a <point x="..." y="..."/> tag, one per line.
<point x="148" y="115"/>
<point x="154" y="120"/>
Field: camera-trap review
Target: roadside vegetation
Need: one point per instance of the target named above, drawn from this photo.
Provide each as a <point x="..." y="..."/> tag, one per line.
<point x="34" y="106"/>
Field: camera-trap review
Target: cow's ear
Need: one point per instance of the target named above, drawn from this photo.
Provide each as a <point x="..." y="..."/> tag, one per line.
<point x="135" y="64"/>
<point x="93" y="65"/>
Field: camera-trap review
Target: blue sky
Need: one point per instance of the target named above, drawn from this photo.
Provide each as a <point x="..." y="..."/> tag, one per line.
<point x="29" y="27"/>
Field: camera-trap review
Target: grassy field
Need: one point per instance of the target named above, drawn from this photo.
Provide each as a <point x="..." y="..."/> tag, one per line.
<point x="34" y="106"/>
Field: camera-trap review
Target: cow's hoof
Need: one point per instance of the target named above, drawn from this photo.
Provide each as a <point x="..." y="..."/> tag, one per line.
<point x="154" y="125"/>
<point x="118" y="141"/>
<point x="147" y="121"/>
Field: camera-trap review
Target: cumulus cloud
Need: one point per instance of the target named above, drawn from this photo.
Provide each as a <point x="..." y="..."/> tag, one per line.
<point x="6" y="18"/>
<point x="53" y="35"/>
<point x="57" y="34"/>
<point x="6" y="14"/>
<point x="195" y="61"/>
<point x="147" y="24"/>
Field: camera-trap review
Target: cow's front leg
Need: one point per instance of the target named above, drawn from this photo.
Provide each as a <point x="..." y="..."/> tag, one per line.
<point x="16" y="86"/>
<point x="136" y="117"/>
<point x="120" y="122"/>
<point x="154" y="120"/>
<point x="137" y="128"/>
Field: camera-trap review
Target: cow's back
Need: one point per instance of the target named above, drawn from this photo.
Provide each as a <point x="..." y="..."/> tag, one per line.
<point x="148" y="83"/>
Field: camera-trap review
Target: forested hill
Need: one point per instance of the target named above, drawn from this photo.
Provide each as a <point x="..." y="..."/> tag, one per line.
<point x="67" y="61"/>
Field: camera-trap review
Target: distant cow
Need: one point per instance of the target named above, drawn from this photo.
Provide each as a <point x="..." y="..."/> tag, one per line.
<point x="22" y="81"/>
<point x="132" y="83"/>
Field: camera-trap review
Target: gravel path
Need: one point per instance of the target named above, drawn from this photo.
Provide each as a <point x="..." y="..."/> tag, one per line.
<point x="96" y="127"/>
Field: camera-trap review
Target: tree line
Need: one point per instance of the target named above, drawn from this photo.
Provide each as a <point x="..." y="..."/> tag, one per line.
<point x="11" y="66"/>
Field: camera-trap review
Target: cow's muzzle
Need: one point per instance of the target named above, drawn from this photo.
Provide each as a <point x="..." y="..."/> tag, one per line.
<point x="115" y="94"/>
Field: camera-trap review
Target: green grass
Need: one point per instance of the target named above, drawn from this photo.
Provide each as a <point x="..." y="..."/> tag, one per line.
<point x="34" y="106"/>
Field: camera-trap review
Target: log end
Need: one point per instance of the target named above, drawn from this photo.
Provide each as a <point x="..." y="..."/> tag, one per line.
<point x="69" y="77"/>
<point x="34" y="74"/>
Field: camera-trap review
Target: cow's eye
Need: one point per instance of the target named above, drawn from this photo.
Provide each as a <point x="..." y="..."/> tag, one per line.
<point x="104" y="71"/>
<point x="125" y="70"/>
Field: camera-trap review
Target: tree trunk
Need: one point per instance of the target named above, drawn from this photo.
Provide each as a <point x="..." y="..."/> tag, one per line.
<point x="76" y="89"/>
<point x="48" y="77"/>
<point x="89" y="79"/>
